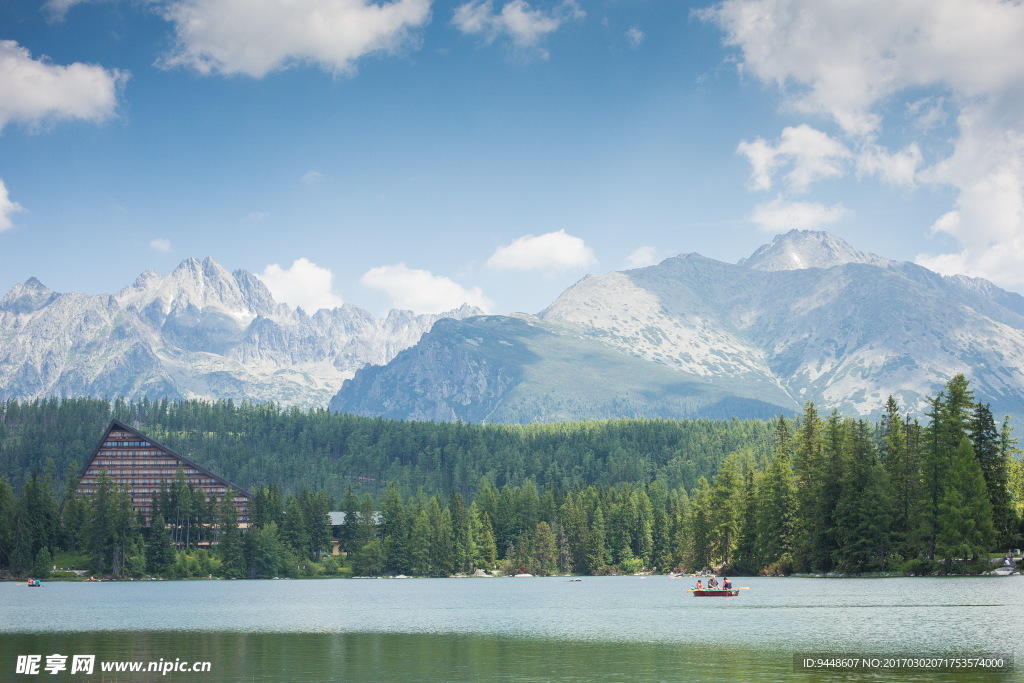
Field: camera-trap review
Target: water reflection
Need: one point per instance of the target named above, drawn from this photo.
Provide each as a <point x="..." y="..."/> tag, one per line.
<point x="604" y="629"/>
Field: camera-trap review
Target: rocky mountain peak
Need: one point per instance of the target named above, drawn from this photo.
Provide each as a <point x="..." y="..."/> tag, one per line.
<point x="28" y="297"/>
<point x="802" y="249"/>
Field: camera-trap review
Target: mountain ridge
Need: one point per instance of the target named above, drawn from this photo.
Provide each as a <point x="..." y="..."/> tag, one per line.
<point x="844" y="332"/>
<point x="197" y="332"/>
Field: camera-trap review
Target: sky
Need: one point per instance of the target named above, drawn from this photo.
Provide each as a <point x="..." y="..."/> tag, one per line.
<point x="420" y="154"/>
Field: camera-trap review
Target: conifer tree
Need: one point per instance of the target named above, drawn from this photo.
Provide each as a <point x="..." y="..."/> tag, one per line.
<point x="995" y="467"/>
<point x="701" y="527"/>
<point x="862" y="511"/>
<point x="420" y="546"/>
<point x="463" y="544"/>
<point x="487" y="549"/>
<point x="395" y="533"/>
<point x="965" y="528"/>
<point x="230" y="546"/>
<point x="7" y="511"/>
<point x="159" y="547"/>
<point x="809" y="475"/>
<point x="545" y="550"/>
<point x="778" y="501"/>
<point x="596" y="552"/>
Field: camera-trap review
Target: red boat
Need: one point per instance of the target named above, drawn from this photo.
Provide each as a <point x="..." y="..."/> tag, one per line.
<point x="715" y="592"/>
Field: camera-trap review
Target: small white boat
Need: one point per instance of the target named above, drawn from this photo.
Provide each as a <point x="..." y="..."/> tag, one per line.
<point x="1004" y="571"/>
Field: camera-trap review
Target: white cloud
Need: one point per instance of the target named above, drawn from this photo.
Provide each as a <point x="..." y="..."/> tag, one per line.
<point x="850" y="60"/>
<point x="256" y="37"/>
<point x="59" y="8"/>
<point x="642" y="257"/>
<point x="634" y="37"/>
<point x="35" y="91"/>
<point x="810" y="154"/>
<point x="552" y="251"/>
<point x="841" y="58"/>
<point x="7" y="208"/>
<point x="303" y="284"/>
<point x="421" y="291"/>
<point x="256" y="217"/>
<point x="894" y="168"/>
<point x="780" y="215"/>
<point x="313" y="177"/>
<point x="517" y="20"/>
<point x="160" y="244"/>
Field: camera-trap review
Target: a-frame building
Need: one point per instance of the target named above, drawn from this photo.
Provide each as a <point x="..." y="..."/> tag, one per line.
<point x="142" y="466"/>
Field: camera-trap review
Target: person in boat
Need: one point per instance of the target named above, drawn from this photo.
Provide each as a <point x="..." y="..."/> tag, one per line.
<point x="726" y="583"/>
<point x="712" y="584"/>
<point x="699" y="586"/>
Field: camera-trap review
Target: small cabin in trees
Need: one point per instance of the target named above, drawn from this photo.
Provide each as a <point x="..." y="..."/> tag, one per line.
<point x="142" y="466"/>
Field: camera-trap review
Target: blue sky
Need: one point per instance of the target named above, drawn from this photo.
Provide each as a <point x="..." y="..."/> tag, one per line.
<point x="418" y="153"/>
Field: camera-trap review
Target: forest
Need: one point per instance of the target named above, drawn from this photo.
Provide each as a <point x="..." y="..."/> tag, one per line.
<point x="810" y="494"/>
<point x="254" y="445"/>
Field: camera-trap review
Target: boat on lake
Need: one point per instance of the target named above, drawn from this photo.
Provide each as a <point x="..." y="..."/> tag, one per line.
<point x="715" y="592"/>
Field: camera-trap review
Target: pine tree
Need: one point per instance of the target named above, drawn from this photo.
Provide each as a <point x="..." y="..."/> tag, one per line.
<point x="487" y="549"/>
<point x="545" y="550"/>
<point x="230" y="546"/>
<point x="159" y="547"/>
<point x="8" y="506"/>
<point x="701" y="527"/>
<point x="394" y="529"/>
<point x="809" y="473"/>
<point x="995" y="467"/>
<point x="420" y="546"/>
<point x="862" y="511"/>
<point x="463" y="545"/>
<point x="596" y="552"/>
<point x="965" y="528"/>
<point x="778" y="503"/>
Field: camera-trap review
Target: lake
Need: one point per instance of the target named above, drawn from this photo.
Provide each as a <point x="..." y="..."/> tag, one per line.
<point x="518" y="629"/>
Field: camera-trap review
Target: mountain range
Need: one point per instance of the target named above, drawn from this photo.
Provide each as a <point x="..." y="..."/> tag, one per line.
<point x="806" y="317"/>
<point x="198" y="332"/>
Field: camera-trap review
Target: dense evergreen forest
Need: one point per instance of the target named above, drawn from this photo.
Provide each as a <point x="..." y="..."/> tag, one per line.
<point x="826" y="494"/>
<point x="254" y="445"/>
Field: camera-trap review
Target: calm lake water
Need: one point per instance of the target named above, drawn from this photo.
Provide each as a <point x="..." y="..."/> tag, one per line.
<point x="526" y="629"/>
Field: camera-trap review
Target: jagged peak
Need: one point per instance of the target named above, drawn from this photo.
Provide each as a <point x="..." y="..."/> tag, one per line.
<point x="28" y="297"/>
<point x="802" y="249"/>
<point x="34" y="284"/>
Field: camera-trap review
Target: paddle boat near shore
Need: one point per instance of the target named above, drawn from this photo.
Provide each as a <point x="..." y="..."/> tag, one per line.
<point x="715" y="592"/>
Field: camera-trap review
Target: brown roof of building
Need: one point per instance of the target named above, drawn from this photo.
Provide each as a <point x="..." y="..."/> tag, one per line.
<point x="116" y="424"/>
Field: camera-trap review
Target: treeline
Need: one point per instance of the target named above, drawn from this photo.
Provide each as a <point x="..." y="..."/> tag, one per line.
<point x="835" y="495"/>
<point x="832" y="494"/>
<point x="255" y="445"/>
<point x="188" y="535"/>
<point x="843" y="495"/>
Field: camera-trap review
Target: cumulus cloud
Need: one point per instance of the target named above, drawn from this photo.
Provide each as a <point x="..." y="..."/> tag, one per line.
<point x="809" y="154"/>
<point x="517" y="21"/>
<point x="35" y="91"/>
<point x="160" y="244"/>
<point x="7" y="208"/>
<point x="256" y="37"/>
<point x="302" y="284"/>
<point x="780" y="215"/>
<point x="848" y="61"/>
<point x="421" y="291"/>
<point x="634" y="37"/>
<point x="642" y="257"/>
<point x="553" y="251"/>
